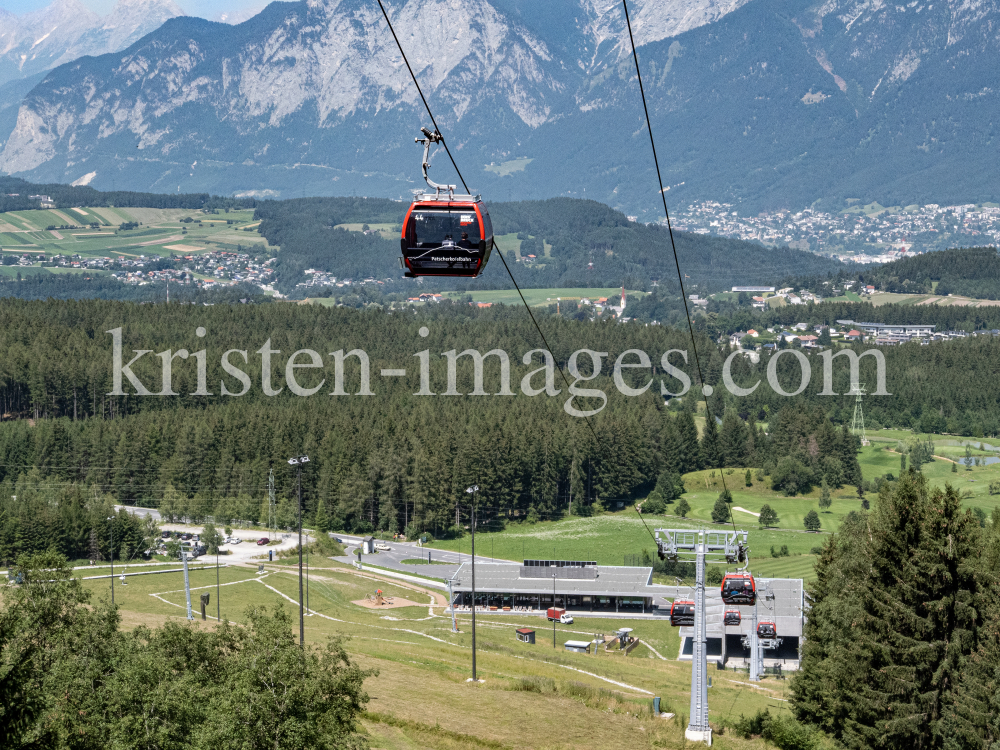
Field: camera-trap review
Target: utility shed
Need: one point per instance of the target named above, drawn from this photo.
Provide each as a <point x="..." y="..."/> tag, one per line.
<point x="525" y="635"/>
<point x="579" y="647"/>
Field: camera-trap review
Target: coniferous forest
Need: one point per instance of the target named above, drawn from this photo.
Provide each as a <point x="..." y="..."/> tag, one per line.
<point x="396" y="460"/>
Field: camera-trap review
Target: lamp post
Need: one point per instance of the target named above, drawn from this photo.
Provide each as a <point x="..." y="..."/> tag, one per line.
<point x="297" y="463"/>
<point x="112" y="527"/>
<point x="472" y="505"/>
<point x="553" y="607"/>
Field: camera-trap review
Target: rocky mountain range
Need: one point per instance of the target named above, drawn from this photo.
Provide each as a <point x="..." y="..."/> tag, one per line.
<point x="67" y="29"/>
<point x="766" y="103"/>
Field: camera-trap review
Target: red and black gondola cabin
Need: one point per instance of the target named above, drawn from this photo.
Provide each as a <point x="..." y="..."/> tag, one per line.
<point x="732" y="618"/>
<point x="682" y="612"/>
<point x="450" y="236"/>
<point x="767" y="630"/>
<point x="739" y="588"/>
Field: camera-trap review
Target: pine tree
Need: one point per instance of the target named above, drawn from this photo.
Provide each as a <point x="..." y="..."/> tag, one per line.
<point x="710" y="456"/>
<point x="732" y="440"/>
<point x="954" y="467"/>
<point x="901" y="618"/>
<point x="720" y="511"/>
<point x="683" y="508"/>
<point x="902" y="464"/>
<point x="688" y="450"/>
<point x="825" y="501"/>
<point x="321" y="522"/>
<point x="748" y="479"/>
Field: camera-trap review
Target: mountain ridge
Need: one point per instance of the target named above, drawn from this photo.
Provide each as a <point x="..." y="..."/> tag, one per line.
<point x="774" y="103"/>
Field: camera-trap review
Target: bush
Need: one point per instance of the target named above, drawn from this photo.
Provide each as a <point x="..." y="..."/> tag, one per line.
<point x="994" y="485"/>
<point x="791" y="476"/>
<point x="683" y="508"/>
<point x="713" y="577"/>
<point x="535" y="684"/>
<point x="669" y="486"/>
<point x="654" y="505"/>
<point x="784" y="731"/>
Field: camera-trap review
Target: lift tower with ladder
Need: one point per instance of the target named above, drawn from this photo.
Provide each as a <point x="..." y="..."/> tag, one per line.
<point x="730" y="546"/>
<point x="858" y="423"/>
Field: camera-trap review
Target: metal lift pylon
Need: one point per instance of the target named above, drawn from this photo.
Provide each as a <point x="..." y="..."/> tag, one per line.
<point x="732" y="545"/>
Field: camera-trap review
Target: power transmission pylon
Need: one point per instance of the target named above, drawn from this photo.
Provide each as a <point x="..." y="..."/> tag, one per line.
<point x="858" y="423"/>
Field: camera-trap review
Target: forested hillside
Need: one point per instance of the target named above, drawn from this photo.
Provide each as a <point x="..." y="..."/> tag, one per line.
<point x="14" y="194"/>
<point x="400" y="458"/>
<point x="971" y="272"/>
<point x="576" y="243"/>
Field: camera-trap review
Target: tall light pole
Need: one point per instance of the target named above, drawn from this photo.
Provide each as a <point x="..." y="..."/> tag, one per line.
<point x="297" y="463"/>
<point x="472" y="505"/>
<point x="112" y="526"/>
<point x="553" y="607"/>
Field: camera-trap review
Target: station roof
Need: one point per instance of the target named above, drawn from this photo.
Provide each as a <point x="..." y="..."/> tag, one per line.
<point x="507" y="578"/>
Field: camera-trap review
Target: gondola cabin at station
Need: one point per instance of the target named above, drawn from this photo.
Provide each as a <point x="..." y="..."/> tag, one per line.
<point x="682" y="613"/>
<point x="767" y="630"/>
<point x="445" y="234"/>
<point x="732" y="618"/>
<point x="739" y="588"/>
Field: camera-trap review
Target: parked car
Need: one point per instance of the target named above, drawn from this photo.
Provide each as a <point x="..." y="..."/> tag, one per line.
<point x="262" y="541"/>
<point x="237" y="540"/>
<point x="382" y="546"/>
<point x="185" y="537"/>
<point x="165" y="535"/>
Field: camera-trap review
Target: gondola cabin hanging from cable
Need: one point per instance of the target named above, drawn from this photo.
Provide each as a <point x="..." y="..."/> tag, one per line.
<point x="739" y="588"/>
<point x="731" y="618"/>
<point x="767" y="630"/>
<point x="445" y="234"/>
<point x="682" y="612"/>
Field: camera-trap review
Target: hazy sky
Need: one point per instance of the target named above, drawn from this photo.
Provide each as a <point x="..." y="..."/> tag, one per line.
<point x="203" y="8"/>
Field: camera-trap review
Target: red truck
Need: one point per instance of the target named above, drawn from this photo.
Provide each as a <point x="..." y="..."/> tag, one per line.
<point x="559" y="614"/>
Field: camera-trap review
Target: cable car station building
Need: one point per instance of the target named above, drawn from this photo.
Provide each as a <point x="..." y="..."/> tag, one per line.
<point x="536" y="585"/>
<point x="583" y="587"/>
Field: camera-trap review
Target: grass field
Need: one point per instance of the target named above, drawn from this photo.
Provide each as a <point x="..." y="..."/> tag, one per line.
<point x="608" y="538"/>
<point x="25" y="230"/>
<point x="890" y="298"/>
<point x="509" y="167"/>
<point x="421" y="697"/>
<point x="846" y="297"/>
<point x="536" y="297"/>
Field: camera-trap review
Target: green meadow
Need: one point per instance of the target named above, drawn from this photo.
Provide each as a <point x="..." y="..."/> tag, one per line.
<point x="421" y="696"/>
<point x="610" y="537"/>
<point x="161" y="232"/>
